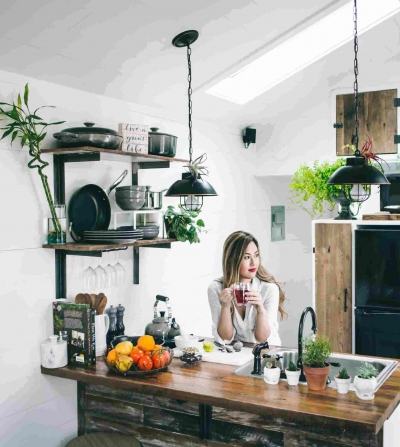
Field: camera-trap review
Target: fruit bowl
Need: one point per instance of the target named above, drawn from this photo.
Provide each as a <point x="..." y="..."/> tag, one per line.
<point x="163" y="356"/>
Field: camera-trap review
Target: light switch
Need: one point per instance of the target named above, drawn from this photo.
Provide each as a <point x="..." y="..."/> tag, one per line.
<point x="277" y="223"/>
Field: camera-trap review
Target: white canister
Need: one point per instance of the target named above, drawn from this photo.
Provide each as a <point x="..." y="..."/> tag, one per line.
<point x="102" y="323"/>
<point x="54" y="353"/>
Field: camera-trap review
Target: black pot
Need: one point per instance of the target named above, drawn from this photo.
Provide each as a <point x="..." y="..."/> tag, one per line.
<point x="168" y="226"/>
<point x="345" y="210"/>
<point x="89" y="136"/>
<point x="162" y="143"/>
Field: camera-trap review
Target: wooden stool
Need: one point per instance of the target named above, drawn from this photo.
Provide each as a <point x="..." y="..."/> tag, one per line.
<point x="104" y="439"/>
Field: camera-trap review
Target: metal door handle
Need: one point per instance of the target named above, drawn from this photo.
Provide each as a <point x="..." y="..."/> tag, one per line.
<point x="345" y="300"/>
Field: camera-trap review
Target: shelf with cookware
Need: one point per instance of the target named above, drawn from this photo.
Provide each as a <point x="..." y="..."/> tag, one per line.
<point x="88" y="153"/>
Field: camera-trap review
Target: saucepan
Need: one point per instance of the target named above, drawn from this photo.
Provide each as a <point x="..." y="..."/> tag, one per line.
<point x="89" y="209"/>
<point x="162" y="143"/>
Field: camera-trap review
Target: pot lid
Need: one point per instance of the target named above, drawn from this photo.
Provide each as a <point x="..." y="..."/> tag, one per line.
<point x="154" y="131"/>
<point x="89" y="128"/>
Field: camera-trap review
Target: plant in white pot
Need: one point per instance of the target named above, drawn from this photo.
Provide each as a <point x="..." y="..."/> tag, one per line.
<point x="292" y="374"/>
<point x="272" y="370"/>
<point x="342" y="381"/>
<point x="365" y="382"/>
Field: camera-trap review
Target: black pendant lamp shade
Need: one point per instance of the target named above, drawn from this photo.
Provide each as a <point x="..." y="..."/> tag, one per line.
<point x="357" y="172"/>
<point x="190" y="189"/>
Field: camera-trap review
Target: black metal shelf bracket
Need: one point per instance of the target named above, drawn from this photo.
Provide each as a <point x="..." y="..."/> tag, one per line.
<point x="136" y="259"/>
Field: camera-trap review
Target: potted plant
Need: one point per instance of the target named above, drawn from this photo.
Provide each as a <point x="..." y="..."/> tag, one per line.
<point x="342" y="381"/>
<point x="365" y="382"/>
<point x="272" y="369"/>
<point x="30" y="128"/>
<point x="182" y="224"/>
<point x="292" y="374"/>
<point x="316" y="351"/>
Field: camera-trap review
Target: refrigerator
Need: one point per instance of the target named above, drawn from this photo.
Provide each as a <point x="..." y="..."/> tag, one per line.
<point x="377" y="291"/>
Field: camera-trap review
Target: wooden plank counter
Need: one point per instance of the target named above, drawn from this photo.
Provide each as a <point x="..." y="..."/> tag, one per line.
<point x="189" y="405"/>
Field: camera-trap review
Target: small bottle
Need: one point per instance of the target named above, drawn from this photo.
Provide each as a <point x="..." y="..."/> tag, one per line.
<point x="120" y="322"/>
<point x="112" y="329"/>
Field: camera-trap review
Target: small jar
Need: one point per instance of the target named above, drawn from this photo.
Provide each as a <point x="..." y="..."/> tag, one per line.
<point x="54" y="353"/>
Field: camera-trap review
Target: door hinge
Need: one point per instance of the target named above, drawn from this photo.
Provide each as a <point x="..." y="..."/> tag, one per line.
<point x="313" y="249"/>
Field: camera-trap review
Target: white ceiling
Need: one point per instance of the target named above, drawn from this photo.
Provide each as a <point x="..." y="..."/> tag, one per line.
<point x="122" y="48"/>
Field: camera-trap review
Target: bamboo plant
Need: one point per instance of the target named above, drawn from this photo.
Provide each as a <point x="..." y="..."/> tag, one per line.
<point x="30" y="128"/>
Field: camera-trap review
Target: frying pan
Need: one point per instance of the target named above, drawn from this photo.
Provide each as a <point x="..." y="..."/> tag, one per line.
<point x="89" y="209"/>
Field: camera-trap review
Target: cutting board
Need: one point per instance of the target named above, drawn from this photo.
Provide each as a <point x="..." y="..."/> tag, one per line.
<point x="235" y="358"/>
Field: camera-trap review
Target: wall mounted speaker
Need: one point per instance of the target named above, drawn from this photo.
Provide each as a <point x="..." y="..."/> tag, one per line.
<point x="249" y="136"/>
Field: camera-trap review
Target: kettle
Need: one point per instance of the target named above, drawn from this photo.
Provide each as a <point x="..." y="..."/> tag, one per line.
<point x="162" y="328"/>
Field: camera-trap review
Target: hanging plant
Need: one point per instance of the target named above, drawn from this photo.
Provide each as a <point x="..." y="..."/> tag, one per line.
<point x="30" y="128"/>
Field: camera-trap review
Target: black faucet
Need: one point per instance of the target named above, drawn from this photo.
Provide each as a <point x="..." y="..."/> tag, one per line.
<point x="257" y="357"/>
<point x="302" y="377"/>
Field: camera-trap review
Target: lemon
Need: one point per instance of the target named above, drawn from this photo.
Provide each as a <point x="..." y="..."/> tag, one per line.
<point x="123" y="363"/>
<point x="208" y="345"/>
<point x="124" y="348"/>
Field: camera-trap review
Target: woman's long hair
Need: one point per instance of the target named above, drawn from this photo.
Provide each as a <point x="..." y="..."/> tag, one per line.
<point x="234" y="250"/>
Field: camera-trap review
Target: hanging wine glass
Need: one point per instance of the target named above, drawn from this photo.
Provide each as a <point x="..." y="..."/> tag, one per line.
<point x="89" y="278"/>
<point x="120" y="273"/>
<point x="101" y="277"/>
<point x="111" y="273"/>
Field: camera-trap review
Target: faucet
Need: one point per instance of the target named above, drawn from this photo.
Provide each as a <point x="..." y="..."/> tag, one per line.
<point x="257" y="357"/>
<point x="302" y="377"/>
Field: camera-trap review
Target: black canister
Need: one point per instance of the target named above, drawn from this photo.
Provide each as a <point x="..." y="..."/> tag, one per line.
<point x="120" y="320"/>
<point x="112" y="329"/>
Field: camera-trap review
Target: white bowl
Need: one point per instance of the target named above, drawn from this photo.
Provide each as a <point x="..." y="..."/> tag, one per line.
<point x="181" y="343"/>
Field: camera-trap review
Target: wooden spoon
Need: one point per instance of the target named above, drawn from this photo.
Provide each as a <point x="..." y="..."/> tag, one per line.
<point x="93" y="297"/>
<point x="88" y="299"/>
<point x="102" y="305"/>
<point x="80" y="298"/>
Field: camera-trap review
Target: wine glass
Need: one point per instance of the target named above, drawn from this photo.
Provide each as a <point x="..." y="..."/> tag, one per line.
<point x="111" y="273"/>
<point x="101" y="277"/>
<point x="120" y="273"/>
<point x="89" y="278"/>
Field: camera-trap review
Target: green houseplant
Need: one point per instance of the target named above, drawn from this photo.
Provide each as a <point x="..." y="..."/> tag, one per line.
<point x="182" y="224"/>
<point x="342" y="381"/>
<point x="30" y="129"/>
<point x="365" y="382"/>
<point x="292" y="374"/>
<point x="272" y="370"/>
<point x="316" y="351"/>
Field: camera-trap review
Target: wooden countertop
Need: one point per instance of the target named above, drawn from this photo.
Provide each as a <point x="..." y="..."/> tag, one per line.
<point x="215" y="384"/>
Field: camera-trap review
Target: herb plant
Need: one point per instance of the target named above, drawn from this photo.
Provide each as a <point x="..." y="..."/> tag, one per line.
<point x="343" y="374"/>
<point x="292" y="367"/>
<point x="367" y="371"/>
<point x="310" y="183"/>
<point x="183" y="224"/>
<point x="316" y="351"/>
<point x="30" y="128"/>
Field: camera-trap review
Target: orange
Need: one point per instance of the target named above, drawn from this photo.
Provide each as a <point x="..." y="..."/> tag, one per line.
<point x="157" y="347"/>
<point x="145" y="363"/>
<point x="146" y="343"/>
<point x="112" y="357"/>
<point x="135" y="355"/>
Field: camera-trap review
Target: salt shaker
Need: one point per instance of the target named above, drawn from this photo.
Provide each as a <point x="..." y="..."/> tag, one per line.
<point x="120" y="322"/>
<point x="54" y="353"/>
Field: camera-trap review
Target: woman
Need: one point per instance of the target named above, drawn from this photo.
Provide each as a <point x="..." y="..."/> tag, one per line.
<point x="256" y="321"/>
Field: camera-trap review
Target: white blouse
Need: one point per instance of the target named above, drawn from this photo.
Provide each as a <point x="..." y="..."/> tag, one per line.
<point x="243" y="329"/>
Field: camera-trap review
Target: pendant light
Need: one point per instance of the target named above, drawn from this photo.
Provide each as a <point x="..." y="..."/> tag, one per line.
<point x="357" y="172"/>
<point x="192" y="188"/>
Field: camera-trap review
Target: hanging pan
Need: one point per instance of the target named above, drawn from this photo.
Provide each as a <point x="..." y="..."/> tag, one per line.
<point x="89" y="209"/>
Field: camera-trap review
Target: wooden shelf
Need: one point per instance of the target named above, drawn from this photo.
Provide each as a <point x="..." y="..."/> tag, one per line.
<point x="137" y="158"/>
<point x="74" y="246"/>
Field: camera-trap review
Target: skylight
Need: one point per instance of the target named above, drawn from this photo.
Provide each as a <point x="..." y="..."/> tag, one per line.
<point x="302" y="50"/>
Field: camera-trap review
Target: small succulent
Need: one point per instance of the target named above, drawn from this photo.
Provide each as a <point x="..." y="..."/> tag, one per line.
<point x="274" y="362"/>
<point x="367" y="371"/>
<point x="292" y="367"/>
<point x="343" y="374"/>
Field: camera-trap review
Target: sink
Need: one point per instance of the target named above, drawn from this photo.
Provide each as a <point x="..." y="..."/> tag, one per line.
<point x="337" y="361"/>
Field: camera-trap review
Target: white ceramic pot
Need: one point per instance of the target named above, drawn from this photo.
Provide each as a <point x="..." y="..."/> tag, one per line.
<point x="342" y="385"/>
<point x="365" y="387"/>
<point x="272" y="375"/>
<point x="293" y="376"/>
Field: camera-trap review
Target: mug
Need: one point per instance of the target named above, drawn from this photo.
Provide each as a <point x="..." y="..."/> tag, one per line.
<point x="102" y="323"/>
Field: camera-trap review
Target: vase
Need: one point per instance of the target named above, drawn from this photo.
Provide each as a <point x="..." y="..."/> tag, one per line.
<point x="365" y="387"/>
<point x="54" y="235"/>
<point x="345" y="211"/>
<point x="169" y="233"/>
<point x="316" y="377"/>
<point x="272" y="375"/>
<point x="342" y="385"/>
<point x="293" y="376"/>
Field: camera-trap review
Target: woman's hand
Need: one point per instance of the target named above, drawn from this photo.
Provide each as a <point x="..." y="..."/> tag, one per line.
<point x="255" y="299"/>
<point x="226" y="297"/>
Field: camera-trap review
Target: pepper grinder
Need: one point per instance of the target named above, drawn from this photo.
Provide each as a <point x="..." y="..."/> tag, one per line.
<point x="112" y="329"/>
<point x="120" y="323"/>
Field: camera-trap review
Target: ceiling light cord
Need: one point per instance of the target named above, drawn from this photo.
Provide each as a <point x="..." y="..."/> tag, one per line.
<point x="189" y="52"/>
<point x="356" y="106"/>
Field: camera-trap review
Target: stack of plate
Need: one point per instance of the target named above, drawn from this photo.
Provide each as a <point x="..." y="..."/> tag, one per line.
<point x="149" y="231"/>
<point x="112" y="236"/>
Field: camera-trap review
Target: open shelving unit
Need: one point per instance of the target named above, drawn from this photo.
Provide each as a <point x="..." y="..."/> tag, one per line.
<point x="84" y="154"/>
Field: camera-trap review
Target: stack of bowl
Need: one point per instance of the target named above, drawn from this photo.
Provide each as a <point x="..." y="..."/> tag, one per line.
<point x="149" y="231"/>
<point x="130" y="197"/>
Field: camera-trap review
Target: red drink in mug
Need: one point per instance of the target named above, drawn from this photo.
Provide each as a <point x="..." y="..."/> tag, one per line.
<point x="240" y="289"/>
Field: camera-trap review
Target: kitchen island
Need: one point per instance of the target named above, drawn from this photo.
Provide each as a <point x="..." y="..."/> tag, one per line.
<point x="207" y="405"/>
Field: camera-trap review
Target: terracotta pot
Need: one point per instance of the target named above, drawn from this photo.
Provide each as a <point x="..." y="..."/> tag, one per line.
<point x="316" y="377"/>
